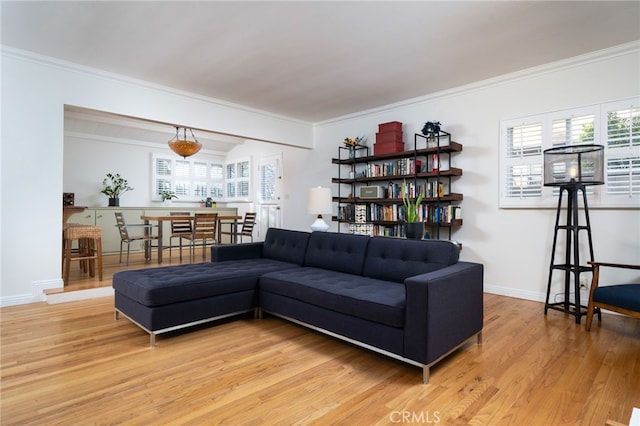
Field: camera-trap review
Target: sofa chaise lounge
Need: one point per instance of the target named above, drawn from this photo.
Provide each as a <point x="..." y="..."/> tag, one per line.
<point x="412" y="300"/>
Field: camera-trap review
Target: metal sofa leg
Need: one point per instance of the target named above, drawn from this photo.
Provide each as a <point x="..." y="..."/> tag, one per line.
<point x="425" y="374"/>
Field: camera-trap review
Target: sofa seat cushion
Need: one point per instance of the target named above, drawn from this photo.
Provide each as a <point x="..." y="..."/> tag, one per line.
<point x="626" y="296"/>
<point x="370" y="299"/>
<point x="172" y="284"/>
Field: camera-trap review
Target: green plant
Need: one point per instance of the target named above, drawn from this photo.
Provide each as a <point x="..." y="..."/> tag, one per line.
<point x="115" y="185"/>
<point x="168" y="195"/>
<point x="410" y="207"/>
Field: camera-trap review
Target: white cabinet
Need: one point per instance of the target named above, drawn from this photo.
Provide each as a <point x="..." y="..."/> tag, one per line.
<point x="87" y="217"/>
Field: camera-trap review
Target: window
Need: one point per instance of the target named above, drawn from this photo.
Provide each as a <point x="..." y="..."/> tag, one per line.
<point x="268" y="182"/>
<point x="196" y="180"/>
<point x="622" y="151"/>
<point x="238" y="180"/>
<point x="521" y="180"/>
<point x="614" y="125"/>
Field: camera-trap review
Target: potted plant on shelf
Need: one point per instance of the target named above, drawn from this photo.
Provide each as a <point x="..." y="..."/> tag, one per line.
<point x="114" y="186"/>
<point x="413" y="228"/>
<point x="167" y="196"/>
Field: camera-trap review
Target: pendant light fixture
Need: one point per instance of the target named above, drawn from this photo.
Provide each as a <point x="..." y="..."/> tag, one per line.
<point x="184" y="147"/>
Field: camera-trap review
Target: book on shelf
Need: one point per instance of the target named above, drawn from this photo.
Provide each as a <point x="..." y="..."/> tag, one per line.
<point x="361" y="213"/>
<point x="431" y="189"/>
<point x="402" y="167"/>
<point x="362" y="229"/>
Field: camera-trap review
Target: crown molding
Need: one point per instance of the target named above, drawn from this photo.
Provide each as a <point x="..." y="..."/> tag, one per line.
<point x="27" y="56"/>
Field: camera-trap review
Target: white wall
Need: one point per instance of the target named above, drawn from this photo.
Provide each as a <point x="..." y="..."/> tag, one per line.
<point x="514" y="245"/>
<point x="87" y="161"/>
<point x="34" y="92"/>
<point x="294" y="183"/>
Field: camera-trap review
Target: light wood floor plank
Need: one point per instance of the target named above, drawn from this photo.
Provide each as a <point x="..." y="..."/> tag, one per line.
<point x="73" y="363"/>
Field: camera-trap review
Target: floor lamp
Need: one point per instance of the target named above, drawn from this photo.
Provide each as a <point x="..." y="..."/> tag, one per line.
<point x="572" y="168"/>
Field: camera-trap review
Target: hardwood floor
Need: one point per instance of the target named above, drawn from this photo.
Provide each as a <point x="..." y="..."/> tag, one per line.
<point x="73" y="363"/>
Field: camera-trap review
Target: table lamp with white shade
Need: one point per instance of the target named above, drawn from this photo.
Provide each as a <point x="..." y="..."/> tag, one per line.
<point x="319" y="203"/>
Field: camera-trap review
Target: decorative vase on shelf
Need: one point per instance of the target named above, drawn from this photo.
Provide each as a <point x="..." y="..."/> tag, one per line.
<point x="114" y="202"/>
<point x="352" y="152"/>
<point x="414" y="230"/>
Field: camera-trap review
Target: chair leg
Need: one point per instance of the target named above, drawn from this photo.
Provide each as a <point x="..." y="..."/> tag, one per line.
<point x="120" y="258"/>
<point x="99" y="254"/>
<point x="67" y="261"/>
<point x="589" y="318"/>
<point x="590" y="308"/>
<point x="90" y="250"/>
<point x="128" y="249"/>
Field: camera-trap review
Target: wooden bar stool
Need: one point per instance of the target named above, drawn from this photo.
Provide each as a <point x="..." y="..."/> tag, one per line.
<point x="89" y="249"/>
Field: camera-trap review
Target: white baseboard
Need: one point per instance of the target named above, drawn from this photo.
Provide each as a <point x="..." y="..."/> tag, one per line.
<point x="72" y="296"/>
<point x="519" y="294"/>
<point x="36" y="295"/>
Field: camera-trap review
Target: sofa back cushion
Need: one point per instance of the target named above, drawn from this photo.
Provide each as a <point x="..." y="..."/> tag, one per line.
<point x="285" y="245"/>
<point x="337" y="252"/>
<point x="395" y="259"/>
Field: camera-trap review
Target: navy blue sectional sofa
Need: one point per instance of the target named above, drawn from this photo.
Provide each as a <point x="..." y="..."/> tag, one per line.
<point x="412" y="300"/>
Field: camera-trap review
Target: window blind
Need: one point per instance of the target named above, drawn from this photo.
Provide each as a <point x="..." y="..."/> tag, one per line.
<point x="615" y="125"/>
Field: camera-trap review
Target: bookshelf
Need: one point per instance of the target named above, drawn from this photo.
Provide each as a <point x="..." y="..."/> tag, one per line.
<point x="427" y="168"/>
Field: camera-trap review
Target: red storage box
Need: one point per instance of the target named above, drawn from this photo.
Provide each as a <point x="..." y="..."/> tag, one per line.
<point x="389" y="137"/>
<point x="387" y="148"/>
<point x="392" y="126"/>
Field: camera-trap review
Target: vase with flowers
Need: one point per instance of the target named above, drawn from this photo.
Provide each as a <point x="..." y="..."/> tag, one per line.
<point x="353" y="144"/>
<point x="114" y="186"/>
<point x="431" y="130"/>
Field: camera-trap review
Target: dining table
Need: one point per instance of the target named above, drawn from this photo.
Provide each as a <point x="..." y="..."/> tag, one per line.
<point x="233" y="219"/>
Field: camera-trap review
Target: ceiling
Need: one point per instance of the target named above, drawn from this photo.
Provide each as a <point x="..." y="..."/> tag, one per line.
<point x="313" y="61"/>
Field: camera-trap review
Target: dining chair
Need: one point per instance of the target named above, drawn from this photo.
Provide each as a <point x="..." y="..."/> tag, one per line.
<point x="621" y="298"/>
<point x="204" y="229"/>
<point x="246" y="229"/>
<point x="123" y="227"/>
<point x="179" y="228"/>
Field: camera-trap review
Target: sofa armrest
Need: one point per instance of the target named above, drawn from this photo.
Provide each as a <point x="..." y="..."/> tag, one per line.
<point x="224" y="252"/>
<point x="443" y="309"/>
